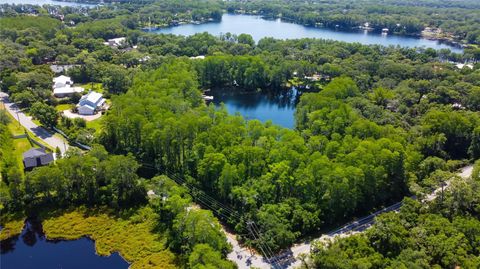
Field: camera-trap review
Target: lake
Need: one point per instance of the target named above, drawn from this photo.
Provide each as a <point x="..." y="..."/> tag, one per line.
<point x="279" y="108"/>
<point x="45" y="2"/>
<point x="259" y="28"/>
<point x="32" y="250"/>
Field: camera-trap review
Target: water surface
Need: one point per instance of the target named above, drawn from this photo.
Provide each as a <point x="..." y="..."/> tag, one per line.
<point x="259" y="28"/>
<point x="277" y="107"/>
<point x="32" y="250"/>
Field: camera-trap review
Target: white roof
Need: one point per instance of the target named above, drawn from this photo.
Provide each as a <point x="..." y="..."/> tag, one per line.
<point x="93" y="97"/>
<point x="62" y="79"/>
<point x="118" y="39"/>
<point x="67" y="89"/>
<point x="460" y="65"/>
<point x="200" y="57"/>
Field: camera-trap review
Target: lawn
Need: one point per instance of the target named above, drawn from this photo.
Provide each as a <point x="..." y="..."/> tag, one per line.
<point x="63" y="107"/>
<point x="16" y="129"/>
<point x="96" y="124"/>
<point x="92" y="86"/>
<point x="21" y="145"/>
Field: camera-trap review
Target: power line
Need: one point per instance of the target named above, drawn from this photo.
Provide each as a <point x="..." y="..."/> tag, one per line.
<point x="228" y="213"/>
<point x="269" y="250"/>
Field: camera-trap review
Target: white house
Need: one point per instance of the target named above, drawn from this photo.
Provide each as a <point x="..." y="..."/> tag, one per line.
<point x="62" y="81"/>
<point x="66" y="91"/>
<point x="61" y="68"/>
<point x="115" y="42"/>
<point x="63" y="87"/>
<point x="461" y="66"/>
<point x="90" y="103"/>
<point x="199" y="57"/>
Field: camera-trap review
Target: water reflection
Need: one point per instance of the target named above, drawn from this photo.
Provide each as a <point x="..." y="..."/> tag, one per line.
<point x="259" y="28"/>
<point x="279" y="106"/>
<point x="32" y="250"/>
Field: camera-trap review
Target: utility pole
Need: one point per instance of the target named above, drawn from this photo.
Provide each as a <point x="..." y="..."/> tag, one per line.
<point x="18" y="117"/>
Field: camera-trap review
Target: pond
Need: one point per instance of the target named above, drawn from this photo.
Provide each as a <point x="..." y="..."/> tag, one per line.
<point x="45" y="2"/>
<point x="277" y="107"/>
<point x="32" y="250"/>
<point x="259" y="28"/>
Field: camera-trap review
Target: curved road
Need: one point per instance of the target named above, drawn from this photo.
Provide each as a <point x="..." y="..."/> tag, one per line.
<point x="290" y="258"/>
<point x="26" y="121"/>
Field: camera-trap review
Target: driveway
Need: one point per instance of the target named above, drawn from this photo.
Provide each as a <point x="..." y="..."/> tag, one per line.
<point x="26" y="121"/>
<point x="69" y="114"/>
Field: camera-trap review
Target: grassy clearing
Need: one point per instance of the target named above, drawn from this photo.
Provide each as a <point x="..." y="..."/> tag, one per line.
<point x="21" y="145"/>
<point x="133" y="237"/>
<point x="16" y="129"/>
<point x="98" y="87"/>
<point x="96" y="124"/>
<point x="63" y="107"/>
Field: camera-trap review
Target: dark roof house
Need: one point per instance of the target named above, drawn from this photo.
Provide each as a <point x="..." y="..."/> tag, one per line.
<point x="36" y="157"/>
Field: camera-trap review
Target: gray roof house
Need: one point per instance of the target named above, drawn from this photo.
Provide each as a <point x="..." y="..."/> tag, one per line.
<point x="90" y="103"/>
<point x="36" y="157"/>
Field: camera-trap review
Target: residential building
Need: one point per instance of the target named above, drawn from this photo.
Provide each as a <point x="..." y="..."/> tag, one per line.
<point x="62" y="68"/>
<point x="66" y="91"/>
<point x="90" y="103"/>
<point x="116" y="42"/>
<point x="63" y="87"/>
<point x="62" y="81"/>
<point x="36" y="157"/>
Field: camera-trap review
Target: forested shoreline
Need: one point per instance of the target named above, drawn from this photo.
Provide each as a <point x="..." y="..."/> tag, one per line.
<point x="456" y="19"/>
<point x="374" y="124"/>
<point x="427" y="18"/>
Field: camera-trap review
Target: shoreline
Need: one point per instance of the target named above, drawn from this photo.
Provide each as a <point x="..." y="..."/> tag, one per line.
<point x="445" y="40"/>
<point x="108" y="233"/>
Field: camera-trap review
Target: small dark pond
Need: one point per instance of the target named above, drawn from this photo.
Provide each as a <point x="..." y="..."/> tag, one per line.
<point x="32" y="250"/>
<point x="277" y="107"/>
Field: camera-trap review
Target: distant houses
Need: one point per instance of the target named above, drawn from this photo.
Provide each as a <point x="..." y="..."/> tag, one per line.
<point x="63" y="87"/>
<point x="36" y="157"/>
<point x="90" y="103"/>
<point x="461" y="66"/>
<point x="116" y="42"/>
<point x="59" y="68"/>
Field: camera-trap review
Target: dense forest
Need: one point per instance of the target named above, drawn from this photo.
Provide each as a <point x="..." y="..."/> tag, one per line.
<point x="443" y="234"/>
<point x="379" y="124"/>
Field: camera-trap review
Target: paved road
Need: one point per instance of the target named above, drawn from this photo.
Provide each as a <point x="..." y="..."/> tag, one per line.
<point x="289" y="259"/>
<point x="27" y="122"/>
